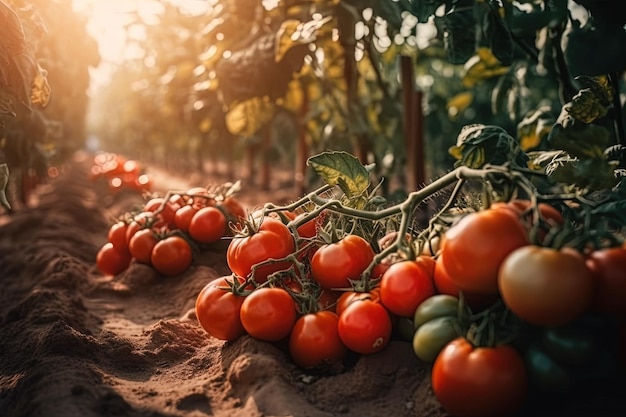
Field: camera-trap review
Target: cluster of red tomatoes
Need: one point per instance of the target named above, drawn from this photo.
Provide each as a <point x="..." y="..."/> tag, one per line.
<point x="120" y="173"/>
<point x="166" y="231"/>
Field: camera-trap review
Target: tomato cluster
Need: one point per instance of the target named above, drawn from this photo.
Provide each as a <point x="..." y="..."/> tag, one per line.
<point x="166" y="231"/>
<point x="120" y="173"/>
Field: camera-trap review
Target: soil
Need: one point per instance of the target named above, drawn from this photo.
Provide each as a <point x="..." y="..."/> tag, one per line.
<point x="75" y="343"/>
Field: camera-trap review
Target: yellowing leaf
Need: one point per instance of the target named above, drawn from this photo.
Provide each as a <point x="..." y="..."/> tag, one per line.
<point x="247" y="117"/>
<point x="293" y="32"/>
<point x="342" y="169"/>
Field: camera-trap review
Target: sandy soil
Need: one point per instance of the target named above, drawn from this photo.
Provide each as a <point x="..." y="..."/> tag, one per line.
<point x="74" y="343"/>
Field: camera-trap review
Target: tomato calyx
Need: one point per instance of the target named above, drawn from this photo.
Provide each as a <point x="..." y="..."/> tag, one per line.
<point x="494" y="326"/>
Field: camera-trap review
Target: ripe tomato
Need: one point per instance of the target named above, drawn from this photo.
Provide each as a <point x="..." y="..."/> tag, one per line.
<point x="166" y="211"/>
<point x="475" y="247"/>
<point x="314" y="340"/>
<point x="333" y="265"/>
<point x="117" y="236"/>
<point x="272" y="240"/>
<point x="549" y="213"/>
<point x="183" y="216"/>
<point x="234" y="208"/>
<point x="545" y="286"/>
<point x="608" y="267"/>
<point x="404" y="286"/>
<point x="207" y="225"/>
<point x="217" y="310"/>
<point x="268" y="314"/>
<point x="140" y="221"/>
<point x="141" y="245"/>
<point x="348" y="297"/>
<point x="199" y="197"/>
<point x="111" y="261"/>
<point x="171" y="256"/>
<point x="444" y="285"/>
<point x="365" y="327"/>
<point x="479" y="382"/>
<point x="309" y="229"/>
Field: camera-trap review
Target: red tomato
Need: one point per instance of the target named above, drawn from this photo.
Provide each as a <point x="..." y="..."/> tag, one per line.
<point x="609" y="268"/>
<point x="404" y="286"/>
<point x="268" y="314"/>
<point x="548" y="212"/>
<point x="333" y="265"/>
<point x="348" y="297"/>
<point x="545" y="286"/>
<point x="479" y="382"/>
<point x="111" y="261"/>
<point x="314" y="340"/>
<point x="444" y="285"/>
<point x="140" y="221"/>
<point x="272" y="240"/>
<point x="309" y="229"/>
<point x="207" y="225"/>
<point x="475" y="247"/>
<point x="171" y="256"/>
<point x="164" y="211"/>
<point x="365" y="327"/>
<point x="117" y="236"/>
<point x="183" y="216"/>
<point x="234" y="208"/>
<point x="199" y="197"/>
<point x="217" y="310"/>
<point x="141" y="245"/>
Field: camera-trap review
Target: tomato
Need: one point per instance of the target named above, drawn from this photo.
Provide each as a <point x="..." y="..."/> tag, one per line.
<point x="365" y="327"/>
<point x="111" y="261"/>
<point x="217" y="310"/>
<point x="548" y="212"/>
<point x="479" y="382"/>
<point x="141" y="245"/>
<point x="348" y="297"/>
<point x="183" y="216"/>
<point x="444" y="285"/>
<point x="609" y="268"/>
<point x="309" y="229"/>
<point x="475" y="247"/>
<point x="140" y="221"/>
<point x="234" y="208"/>
<point x="334" y="264"/>
<point x="545" y="286"/>
<point x="314" y="340"/>
<point x="199" y="197"/>
<point x="166" y="211"/>
<point x="439" y="305"/>
<point x="171" y="256"/>
<point x="117" y="236"/>
<point x="207" y="225"/>
<point x="272" y="240"/>
<point x="404" y="286"/>
<point x="432" y="336"/>
<point x="268" y="314"/>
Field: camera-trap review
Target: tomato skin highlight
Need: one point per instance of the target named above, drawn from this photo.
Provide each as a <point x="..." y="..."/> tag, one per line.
<point x="609" y="268"/>
<point x="479" y="382"/>
<point x="404" y="286"/>
<point x="272" y="240"/>
<point x="545" y="286"/>
<point x="218" y="308"/>
<point x="268" y="314"/>
<point x="314" y="340"/>
<point x="111" y="261"/>
<point x="333" y="265"/>
<point x="365" y="327"/>
<point x="171" y="256"/>
<point x="477" y="244"/>
<point x="208" y="225"/>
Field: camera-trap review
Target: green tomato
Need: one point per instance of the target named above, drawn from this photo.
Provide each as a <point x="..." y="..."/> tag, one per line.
<point x="440" y="305"/>
<point x="431" y="337"/>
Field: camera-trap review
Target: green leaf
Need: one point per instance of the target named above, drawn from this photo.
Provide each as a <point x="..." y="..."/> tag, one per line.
<point x="4" y="181"/>
<point x="342" y="169"/>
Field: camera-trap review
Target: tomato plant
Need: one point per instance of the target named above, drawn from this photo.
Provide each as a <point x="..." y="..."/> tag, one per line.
<point x="405" y="285"/>
<point x="333" y="265"/>
<point x="268" y="314"/>
<point x="365" y="326"/>
<point x="477" y="244"/>
<point x="473" y="381"/>
<point x="315" y="341"/>
<point x="111" y="261"/>
<point x="272" y="240"/>
<point x="545" y="286"/>
<point x="217" y="309"/>
<point x="208" y="225"/>
<point x="171" y="255"/>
